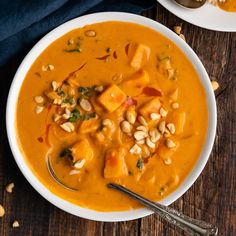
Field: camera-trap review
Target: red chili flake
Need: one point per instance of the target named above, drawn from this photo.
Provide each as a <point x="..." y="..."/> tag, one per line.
<point x="152" y="92"/>
<point x="145" y="160"/>
<point x="115" y="54"/>
<point x="130" y="102"/>
<point x="127" y="49"/>
<point x="102" y="58"/>
<point x="40" y="139"/>
<point x="73" y="72"/>
<point x="46" y="134"/>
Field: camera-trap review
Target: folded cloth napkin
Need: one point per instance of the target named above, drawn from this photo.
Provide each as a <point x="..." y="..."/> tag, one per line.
<point x="23" y="22"/>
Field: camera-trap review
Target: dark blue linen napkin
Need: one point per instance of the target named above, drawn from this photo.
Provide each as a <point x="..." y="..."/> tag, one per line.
<point x="23" y="22"/>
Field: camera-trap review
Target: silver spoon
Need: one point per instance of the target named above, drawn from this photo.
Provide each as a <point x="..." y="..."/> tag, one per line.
<point x="54" y="176"/>
<point x="191" y="226"/>
<point x="193" y="4"/>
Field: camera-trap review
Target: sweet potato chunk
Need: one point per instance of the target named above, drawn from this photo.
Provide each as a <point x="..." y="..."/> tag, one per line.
<point x="112" y="98"/>
<point x="115" y="165"/>
<point x="140" y="57"/>
<point x="82" y="150"/>
<point x="152" y="106"/>
<point x="88" y="126"/>
<point x="179" y="121"/>
<point x="134" y="85"/>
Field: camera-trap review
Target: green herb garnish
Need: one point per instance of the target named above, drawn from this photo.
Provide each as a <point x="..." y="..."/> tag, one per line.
<point x="140" y="164"/>
<point x="89" y="116"/>
<point x="75" y="115"/>
<point x="87" y="91"/>
<point x="60" y="92"/>
<point x="71" y="100"/>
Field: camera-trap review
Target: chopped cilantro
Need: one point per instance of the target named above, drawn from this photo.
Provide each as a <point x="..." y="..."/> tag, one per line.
<point x="89" y="116"/>
<point x="140" y="164"/>
<point x="87" y="91"/>
<point x="75" y="115"/>
<point x="69" y="100"/>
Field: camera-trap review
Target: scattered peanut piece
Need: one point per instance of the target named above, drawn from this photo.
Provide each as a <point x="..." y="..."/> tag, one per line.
<point x="68" y="127"/>
<point x="71" y="41"/>
<point x="142" y="141"/>
<point x="163" y="112"/>
<point x="48" y="67"/>
<point x="135" y="149"/>
<point x="15" y="224"/>
<point x="55" y="85"/>
<point x="2" y="211"/>
<point x="171" y="128"/>
<point x="154" y="135"/>
<point x="131" y="115"/>
<point x="56" y="117"/>
<point x="90" y="33"/>
<point x="79" y="164"/>
<point x="162" y="127"/>
<point x="38" y="109"/>
<point x="107" y="122"/>
<point x="178" y="29"/>
<point x="142" y="121"/>
<point x="215" y="85"/>
<point x="175" y="105"/>
<point x="170" y="143"/>
<point x="99" y="88"/>
<point x="150" y="143"/>
<point x="74" y="172"/>
<point x="155" y="116"/>
<point x="182" y="37"/>
<point x="167" y="161"/>
<point x="10" y="187"/>
<point x="138" y="135"/>
<point x="38" y="99"/>
<point x="126" y="126"/>
<point x="142" y="128"/>
<point x="85" y="104"/>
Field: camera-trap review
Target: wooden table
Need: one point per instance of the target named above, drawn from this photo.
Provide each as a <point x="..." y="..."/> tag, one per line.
<point x="213" y="196"/>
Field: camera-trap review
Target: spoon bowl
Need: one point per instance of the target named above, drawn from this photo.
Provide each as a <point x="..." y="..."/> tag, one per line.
<point x="193" y="4"/>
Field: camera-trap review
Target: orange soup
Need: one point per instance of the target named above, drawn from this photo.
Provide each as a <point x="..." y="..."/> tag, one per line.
<point x="112" y="102"/>
<point x="228" y="5"/>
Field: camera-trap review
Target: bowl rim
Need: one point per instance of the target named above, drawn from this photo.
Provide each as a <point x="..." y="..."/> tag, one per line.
<point x="19" y="78"/>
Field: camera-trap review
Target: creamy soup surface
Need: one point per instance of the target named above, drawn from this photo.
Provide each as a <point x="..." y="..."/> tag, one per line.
<point x="112" y="102"/>
<point x="228" y="5"/>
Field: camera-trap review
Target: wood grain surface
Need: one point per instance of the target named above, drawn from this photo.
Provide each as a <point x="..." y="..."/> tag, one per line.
<point x="213" y="196"/>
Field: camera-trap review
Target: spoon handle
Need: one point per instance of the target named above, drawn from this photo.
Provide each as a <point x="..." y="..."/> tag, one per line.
<point x="189" y="225"/>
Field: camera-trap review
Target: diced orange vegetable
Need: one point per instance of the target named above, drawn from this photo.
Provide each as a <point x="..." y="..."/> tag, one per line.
<point x="88" y="126"/>
<point x="112" y="98"/>
<point x="179" y="122"/>
<point x="82" y="150"/>
<point x="115" y="165"/>
<point x="53" y="95"/>
<point x="151" y="106"/>
<point x="134" y="85"/>
<point x="173" y="95"/>
<point x="140" y="57"/>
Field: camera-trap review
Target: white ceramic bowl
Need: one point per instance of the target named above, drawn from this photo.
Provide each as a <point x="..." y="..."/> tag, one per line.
<point x="25" y="66"/>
